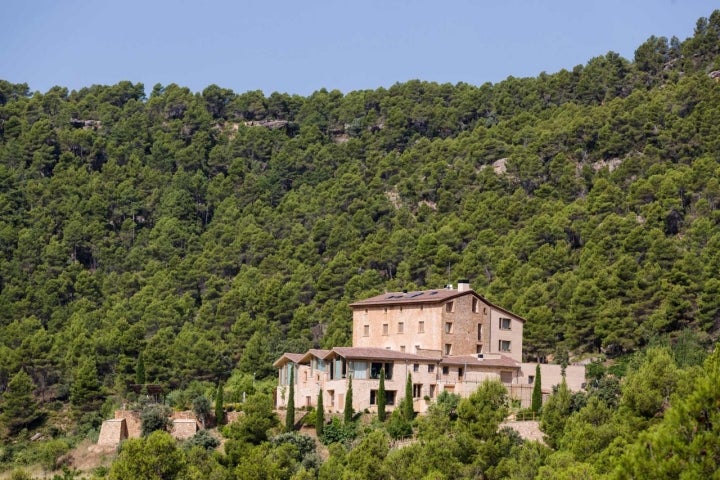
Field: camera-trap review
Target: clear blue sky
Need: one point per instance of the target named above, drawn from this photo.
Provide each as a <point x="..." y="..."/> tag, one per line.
<point x="299" y="46"/>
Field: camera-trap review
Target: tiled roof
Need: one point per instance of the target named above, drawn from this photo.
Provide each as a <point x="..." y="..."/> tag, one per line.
<point x="370" y="353"/>
<point x="424" y="297"/>
<point x="320" y="353"/>
<point x="474" y="361"/>
<point x="288" y="357"/>
<point x="314" y="352"/>
<point x="420" y="296"/>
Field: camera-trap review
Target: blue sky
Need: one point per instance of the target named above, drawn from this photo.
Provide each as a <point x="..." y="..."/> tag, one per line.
<point x="299" y="46"/>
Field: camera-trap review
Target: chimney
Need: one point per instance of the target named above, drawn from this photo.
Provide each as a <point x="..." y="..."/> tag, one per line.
<point x="463" y="285"/>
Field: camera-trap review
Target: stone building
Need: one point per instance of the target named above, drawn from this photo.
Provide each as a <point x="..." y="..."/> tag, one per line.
<point x="448" y="339"/>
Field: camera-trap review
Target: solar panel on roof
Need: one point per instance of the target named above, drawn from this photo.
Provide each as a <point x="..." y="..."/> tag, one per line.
<point x="433" y="292"/>
<point x="417" y="294"/>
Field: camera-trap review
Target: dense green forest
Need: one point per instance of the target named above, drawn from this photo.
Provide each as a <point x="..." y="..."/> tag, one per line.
<point x="206" y="233"/>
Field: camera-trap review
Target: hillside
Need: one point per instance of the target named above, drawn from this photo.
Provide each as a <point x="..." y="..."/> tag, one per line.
<point x="212" y="231"/>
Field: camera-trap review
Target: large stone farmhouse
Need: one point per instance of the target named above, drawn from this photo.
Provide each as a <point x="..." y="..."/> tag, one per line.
<point x="448" y="339"/>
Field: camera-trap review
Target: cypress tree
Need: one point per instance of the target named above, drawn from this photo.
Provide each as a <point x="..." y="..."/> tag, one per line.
<point x="348" y="412"/>
<point x="407" y="406"/>
<point x="537" y="391"/>
<point x="219" y="405"/>
<point x="140" y="370"/>
<point x="290" y="417"/>
<point x="381" y="396"/>
<point x="320" y="415"/>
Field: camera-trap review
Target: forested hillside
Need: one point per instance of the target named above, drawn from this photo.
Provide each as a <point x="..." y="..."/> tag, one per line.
<point x="212" y="231"/>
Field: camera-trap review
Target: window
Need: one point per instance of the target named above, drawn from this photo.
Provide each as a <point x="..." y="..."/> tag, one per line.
<point x="446" y="370"/>
<point x="478" y="348"/>
<point x="450" y="307"/>
<point x="320" y="364"/>
<point x="504" y="345"/>
<point x="385" y="328"/>
<point x="480" y="332"/>
<point x="461" y="371"/>
<point x="401" y="327"/>
<point x="531" y="379"/>
<point x="484" y="310"/>
<point x="358" y="370"/>
<point x="475" y="305"/>
<point x="506" y="377"/>
<point x="389" y="397"/>
<point x="504" y="323"/>
<point x="417" y="390"/>
<point x="366" y="330"/>
<point x="448" y="348"/>
<point x="331" y="393"/>
<point x="431" y="368"/>
<point x="448" y="327"/>
<point x="375" y="368"/>
<point x="402" y="348"/>
<point x="416" y="367"/>
<point x="432" y="391"/>
<point x="421" y="326"/>
<point x="339" y="371"/>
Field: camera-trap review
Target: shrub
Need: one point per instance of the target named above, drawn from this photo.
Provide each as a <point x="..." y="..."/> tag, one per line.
<point x="338" y="432"/>
<point x="202" y="439"/>
<point x="398" y="426"/>
<point x="154" y="417"/>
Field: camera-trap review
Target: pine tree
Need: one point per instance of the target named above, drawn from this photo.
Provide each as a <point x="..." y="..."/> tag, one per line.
<point x="18" y="405"/>
<point x="555" y="414"/>
<point x="348" y="411"/>
<point x="140" y="370"/>
<point x="537" y="391"/>
<point x="381" y="396"/>
<point x="408" y="412"/>
<point x="320" y="415"/>
<point x="290" y="416"/>
<point x="219" y="405"/>
<point x="85" y="389"/>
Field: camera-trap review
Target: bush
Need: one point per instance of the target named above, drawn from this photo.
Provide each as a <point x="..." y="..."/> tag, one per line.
<point x="155" y="417"/>
<point x="202" y="439"/>
<point x="309" y="419"/>
<point x="338" y="432"/>
<point x="398" y="426"/>
<point x="49" y="452"/>
<point x="20" y="475"/>
<point x="304" y="443"/>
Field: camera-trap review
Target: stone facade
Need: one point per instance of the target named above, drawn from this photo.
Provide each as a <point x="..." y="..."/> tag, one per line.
<point x="127" y="424"/>
<point x="112" y="432"/>
<point x="183" y="429"/>
<point x="447" y="339"/>
<point x="446" y="321"/>
<point x="132" y="419"/>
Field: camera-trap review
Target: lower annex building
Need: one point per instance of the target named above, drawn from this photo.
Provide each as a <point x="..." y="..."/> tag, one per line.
<point x="448" y="339"/>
